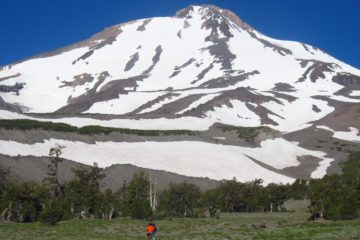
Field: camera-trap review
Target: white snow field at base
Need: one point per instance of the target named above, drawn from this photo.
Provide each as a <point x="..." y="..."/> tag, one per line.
<point x="190" y="158"/>
<point x="352" y="135"/>
<point x="355" y="93"/>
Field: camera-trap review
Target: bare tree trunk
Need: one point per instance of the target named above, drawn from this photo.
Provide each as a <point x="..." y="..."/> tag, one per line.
<point x="9" y="215"/>
<point x="3" y="215"/>
<point x="111" y="213"/>
<point x="83" y="214"/>
<point x="154" y="199"/>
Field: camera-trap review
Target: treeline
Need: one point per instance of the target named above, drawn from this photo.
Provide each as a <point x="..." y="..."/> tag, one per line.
<point x="337" y="197"/>
<point x="186" y="200"/>
<point x="333" y="197"/>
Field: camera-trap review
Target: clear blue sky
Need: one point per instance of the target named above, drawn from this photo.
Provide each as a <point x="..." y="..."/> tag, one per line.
<point x="29" y="27"/>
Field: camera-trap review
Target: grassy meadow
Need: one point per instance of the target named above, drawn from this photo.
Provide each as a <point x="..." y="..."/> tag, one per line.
<point x="288" y="225"/>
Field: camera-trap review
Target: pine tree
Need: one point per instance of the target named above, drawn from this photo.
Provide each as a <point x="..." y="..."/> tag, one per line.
<point x="52" y="179"/>
<point x="138" y="196"/>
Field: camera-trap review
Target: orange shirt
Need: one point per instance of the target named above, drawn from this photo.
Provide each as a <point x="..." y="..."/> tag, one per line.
<point x="150" y="229"/>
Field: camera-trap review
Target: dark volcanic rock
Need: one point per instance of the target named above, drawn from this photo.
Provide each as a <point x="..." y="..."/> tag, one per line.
<point x="186" y="24"/>
<point x="169" y="110"/>
<point x="227" y="81"/>
<point x="220" y="51"/>
<point x="131" y="63"/>
<point x="8" y="107"/>
<point x="307" y="48"/>
<point x="177" y="69"/>
<point x="184" y="13"/>
<point x="316" y="70"/>
<point x="280" y="95"/>
<point x="316" y="109"/>
<point x="316" y="139"/>
<point x="109" y="91"/>
<point x="346" y="79"/>
<point x="179" y="34"/>
<point x="155" y="59"/>
<point x="142" y="27"/>
<point x="153" y="102"/>
<point x="283" y="87"/>
<point x="107" y="41"/>
<point x="344" y="116"/>
<point x="9" y="77"/>
<point x="241" y="94"/>
<point x="212" y="10"/>
<point x="78" y="80"/>
<point x="13" y="88"/>
<point x="202" y="74"/>
<point x="216" y="22"/>
<point x="281" y="50"/>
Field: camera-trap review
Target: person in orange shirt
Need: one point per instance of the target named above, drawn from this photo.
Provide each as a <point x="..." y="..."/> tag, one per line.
<point x="151" y="231"/>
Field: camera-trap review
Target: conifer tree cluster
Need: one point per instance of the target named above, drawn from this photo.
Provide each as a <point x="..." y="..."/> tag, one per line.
<point x="333" y="197"/>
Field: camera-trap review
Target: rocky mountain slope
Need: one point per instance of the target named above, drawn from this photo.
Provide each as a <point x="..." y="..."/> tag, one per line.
<point x="203" y="70"/>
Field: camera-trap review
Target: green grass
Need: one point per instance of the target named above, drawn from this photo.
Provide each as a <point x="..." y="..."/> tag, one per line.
<point x="25" y="124"/>
<point x="279" y="226"/>
<point x="247" y="133"/>
<point x="229" y="226"/>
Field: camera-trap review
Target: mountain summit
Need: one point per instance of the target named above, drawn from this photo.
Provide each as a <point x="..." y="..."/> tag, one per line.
<point x="213" y="14"/>
<point x="261" y="107"/>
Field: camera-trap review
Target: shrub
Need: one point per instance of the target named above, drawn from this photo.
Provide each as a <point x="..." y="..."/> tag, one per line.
<point x="52" y="214"/>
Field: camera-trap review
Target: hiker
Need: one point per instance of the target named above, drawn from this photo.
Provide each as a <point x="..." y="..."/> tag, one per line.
<point x="151" y="230"/>
<point x="154" y="232"/>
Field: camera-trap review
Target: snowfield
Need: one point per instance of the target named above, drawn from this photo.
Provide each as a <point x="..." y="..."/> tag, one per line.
<point x="352" y="135"/>
<point x="190" y="158"/>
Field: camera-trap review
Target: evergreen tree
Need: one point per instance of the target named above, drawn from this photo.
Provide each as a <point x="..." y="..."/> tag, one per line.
<point x="337" y="196"/>
<point x="278" y="195"/>
<point x="83" y="192"/>
<point x="137" y="200"/>
<point x="52" y="214"/>
<point x="230" y="194"/>
<point x="121" y="198"/>
<point x="25" y="201"/>
<point x="52" y="179"/>
<point x="180" y="199"/>
<point x="107" y="205"/>
<point x="4" y="182"/>
<point x="298" y="190"/>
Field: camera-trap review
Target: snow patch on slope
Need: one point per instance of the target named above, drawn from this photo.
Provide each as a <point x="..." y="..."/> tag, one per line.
<point x="124" y="104"/>
<point x="197" y="103"/>
<point x="352" y="135"/>
<point x="320" y="171"/>
<point x="189" y="123"/>
<point x="237" y="115"/>
<point x="355" y="93"/>
<point x="214" y="161"/>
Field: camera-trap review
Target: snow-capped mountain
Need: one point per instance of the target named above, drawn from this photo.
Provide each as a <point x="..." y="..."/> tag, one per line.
<point x="200" y="67"/>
